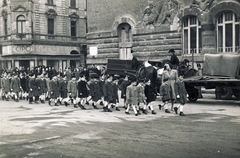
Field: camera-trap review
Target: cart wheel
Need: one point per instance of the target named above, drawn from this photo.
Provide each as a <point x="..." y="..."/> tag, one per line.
<point x="193" y="98"/>
<point x="225" y="92"/>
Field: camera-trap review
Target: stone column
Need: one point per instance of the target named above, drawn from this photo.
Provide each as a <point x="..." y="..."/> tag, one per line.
<point x="208" y="36"/>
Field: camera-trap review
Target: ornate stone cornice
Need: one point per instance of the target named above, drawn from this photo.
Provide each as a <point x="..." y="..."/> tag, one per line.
<point x="74" y="16"/>
<point x="20" y="8"/>
<point x="51" y="13"/>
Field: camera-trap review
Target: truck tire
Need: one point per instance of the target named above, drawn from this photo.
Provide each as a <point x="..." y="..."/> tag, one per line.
<point x="236" y="94"/>
<point x="225" y="92"/>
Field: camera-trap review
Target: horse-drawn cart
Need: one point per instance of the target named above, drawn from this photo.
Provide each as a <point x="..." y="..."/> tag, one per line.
<point x="220" y="72"/>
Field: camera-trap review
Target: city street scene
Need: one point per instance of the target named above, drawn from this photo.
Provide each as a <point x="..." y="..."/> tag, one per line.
<point x="124" y="79"/>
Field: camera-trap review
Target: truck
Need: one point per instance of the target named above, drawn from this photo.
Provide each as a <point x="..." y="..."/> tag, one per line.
<point x="220" y="72"/>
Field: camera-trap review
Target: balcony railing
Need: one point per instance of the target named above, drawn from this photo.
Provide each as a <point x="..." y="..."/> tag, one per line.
<point x="192" y="50"/>
<point x="228" y="49"/>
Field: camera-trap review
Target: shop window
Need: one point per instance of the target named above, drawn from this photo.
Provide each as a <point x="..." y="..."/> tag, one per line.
<point x="21" y="24"/>
<point x="192" y="35"/>
<point x="228" y="32"/>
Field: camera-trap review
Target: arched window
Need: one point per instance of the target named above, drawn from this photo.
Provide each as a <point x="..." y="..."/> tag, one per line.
<point x="228" y="32"/>
<point x="192" y="35"/>
<point x="21" y="22"/>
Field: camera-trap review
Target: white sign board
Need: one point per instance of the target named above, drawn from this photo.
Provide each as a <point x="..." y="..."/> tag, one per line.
<point x="93" y="50"/>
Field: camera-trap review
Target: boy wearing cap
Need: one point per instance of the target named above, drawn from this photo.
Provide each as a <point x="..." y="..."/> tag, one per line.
<point x="95" y="91"/>
<point x="108" y="94"/>
<point x="72" y="90"/>
<point x="16" y="86"/>
<point x="181" y="94"/>
<point x="64" y="91"/>
<point x="54" y="90"/>
<point x="83" y="91"/>
<point x="150" y="94"/>
<point x="174" y="59"/>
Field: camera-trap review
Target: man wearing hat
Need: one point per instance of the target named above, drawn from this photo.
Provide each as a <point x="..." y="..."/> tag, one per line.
<point x="174" y="59"/>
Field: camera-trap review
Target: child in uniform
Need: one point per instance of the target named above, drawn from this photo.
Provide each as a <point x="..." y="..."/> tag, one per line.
<point x="132" y="96"/>
<point x="165" y="94"/>
<point x="181" y="94"/>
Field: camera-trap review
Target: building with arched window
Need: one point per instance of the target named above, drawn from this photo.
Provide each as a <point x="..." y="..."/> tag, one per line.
<point x="148" y="29"/>
<point x="42" y="32"/>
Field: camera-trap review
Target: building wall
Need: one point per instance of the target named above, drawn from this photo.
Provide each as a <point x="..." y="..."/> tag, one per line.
<point x="151" y="41"/>
<point x="36" y="44"/>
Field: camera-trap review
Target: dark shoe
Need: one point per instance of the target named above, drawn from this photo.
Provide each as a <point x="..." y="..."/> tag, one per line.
<point x="160" y="107"/>
<point x="126" y="112"/>
<point x="83" y="108"/>
<point x="136" y="114"/>
<point x="145" y="112"/>
<point x="176" y="109"/>
<point x="108" y="110"/>
<point x="182" y="114"/>
<point x="66" y="104"/>
<point x="95" y="107"/>
<point x="105" y="109"/>
<point x="154" y="113"/>
<point x="49" y="102"/>
<point x="75" y="106"/>
<point x="117" y="109"/>
<point x="167" y="111"/>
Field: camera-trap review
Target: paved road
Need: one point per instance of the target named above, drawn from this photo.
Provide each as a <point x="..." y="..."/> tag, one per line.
<point x="210" y="129"/>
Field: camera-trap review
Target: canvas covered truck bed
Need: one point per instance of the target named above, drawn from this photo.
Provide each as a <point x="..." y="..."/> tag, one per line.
<point x="221" y="72"/>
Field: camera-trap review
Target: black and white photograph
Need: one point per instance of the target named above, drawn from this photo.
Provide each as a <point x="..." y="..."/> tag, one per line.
<point x="119" y="78"/>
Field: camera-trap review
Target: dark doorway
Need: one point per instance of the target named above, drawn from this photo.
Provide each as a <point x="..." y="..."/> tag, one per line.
<point x="73" y="63"/>
<point x="24" y="63"/>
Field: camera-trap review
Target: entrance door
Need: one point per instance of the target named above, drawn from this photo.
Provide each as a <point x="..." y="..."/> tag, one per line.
<point x="73" y="63"/>
<point x="24" y="63"/>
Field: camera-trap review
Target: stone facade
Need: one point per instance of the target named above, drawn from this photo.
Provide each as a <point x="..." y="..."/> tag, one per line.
<point x="35" y="44"/>
<point x="148" y="29"/>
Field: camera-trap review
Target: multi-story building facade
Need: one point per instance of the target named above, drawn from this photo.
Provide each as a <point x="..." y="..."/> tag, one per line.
<point x="148" y="29"/>
<point x="42" y="32"/>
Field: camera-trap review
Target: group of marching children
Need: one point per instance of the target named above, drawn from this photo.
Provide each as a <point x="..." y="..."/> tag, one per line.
<point x="103" y="90"/>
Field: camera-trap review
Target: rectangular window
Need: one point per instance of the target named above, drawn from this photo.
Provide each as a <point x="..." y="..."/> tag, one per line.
<point x="186" y="41"/>
<point x="237" y="41"/>
<point x="21" y="27"/>
<point x="220" y="38"/>
<point x="5" y="27"/>
<point x="229" y="38"/>
<point x="200" y="40"/>
<point x="193" y="37"/>
<point x="51" y="26"/>
<point x="50" y="2"/>
<point x="73" y="3"/>
<point x="73" y="28"/>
